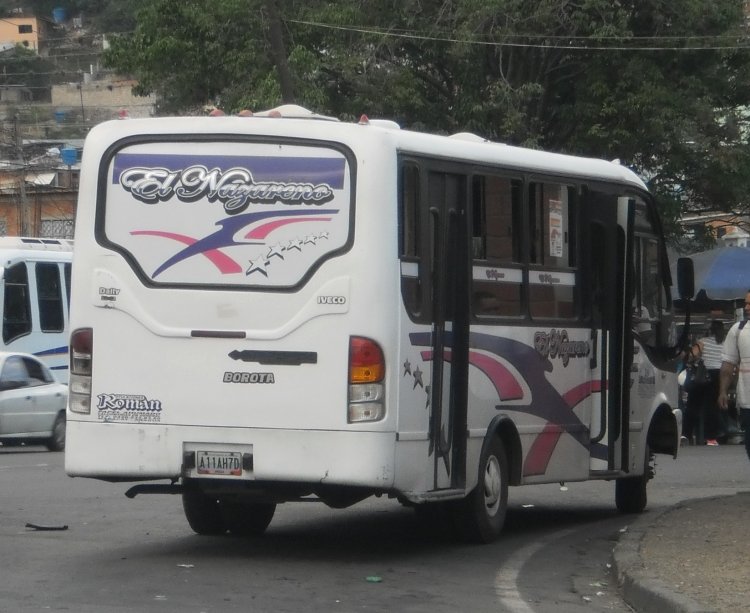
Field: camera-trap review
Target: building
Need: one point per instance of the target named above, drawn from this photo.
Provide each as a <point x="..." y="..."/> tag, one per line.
<point x="38" y="196"/>
<point x="726" y="229"/>
<point x="24" y="30"/>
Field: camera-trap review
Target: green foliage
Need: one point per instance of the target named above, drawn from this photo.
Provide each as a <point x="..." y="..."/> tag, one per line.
<point x="22" y="67"/>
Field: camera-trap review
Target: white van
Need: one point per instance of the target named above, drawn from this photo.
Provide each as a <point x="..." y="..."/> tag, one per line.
<point x="35" y="299"/>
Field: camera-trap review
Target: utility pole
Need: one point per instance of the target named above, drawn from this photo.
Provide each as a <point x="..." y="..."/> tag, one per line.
<point x="23" y="203"/>
<point x="278" y="51"/>
<point x="80" y="90"/>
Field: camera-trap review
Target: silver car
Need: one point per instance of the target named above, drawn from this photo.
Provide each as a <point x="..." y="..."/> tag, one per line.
<point x="32" y="402"/>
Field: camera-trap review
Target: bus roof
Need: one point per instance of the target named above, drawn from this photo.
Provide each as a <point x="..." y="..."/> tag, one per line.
<point x="294" y="121"/>
<point x="35" y="244"/>
<point x="14" y="249"/>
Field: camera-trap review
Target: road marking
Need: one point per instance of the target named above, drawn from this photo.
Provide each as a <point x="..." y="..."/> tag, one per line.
<point x="16" y="467"/>
<point x="506" y="579"/>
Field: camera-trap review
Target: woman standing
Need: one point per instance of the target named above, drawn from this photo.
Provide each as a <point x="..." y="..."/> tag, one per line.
<point x="708" y="348"/>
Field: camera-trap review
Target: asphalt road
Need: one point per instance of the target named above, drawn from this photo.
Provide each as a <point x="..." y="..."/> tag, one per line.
<point x="105" y="553"/>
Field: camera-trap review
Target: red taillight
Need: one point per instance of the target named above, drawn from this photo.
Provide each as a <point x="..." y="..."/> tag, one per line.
<point x="81" y="355"/>
<point x="81" y="347"/>
<point x="366" y="362"/>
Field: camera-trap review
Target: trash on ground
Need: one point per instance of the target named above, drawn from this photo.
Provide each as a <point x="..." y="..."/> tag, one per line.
<point x="39" y="527"/>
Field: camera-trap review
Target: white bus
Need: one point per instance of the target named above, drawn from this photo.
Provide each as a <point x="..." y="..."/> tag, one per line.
<point x="285" y="306"/>
<point x="35" y="297"/>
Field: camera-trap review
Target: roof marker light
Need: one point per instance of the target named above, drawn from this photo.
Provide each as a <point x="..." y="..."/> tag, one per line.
<point x="216" y="113"/>
<point x="364" y="120"/>
<point x="245" y="113"/>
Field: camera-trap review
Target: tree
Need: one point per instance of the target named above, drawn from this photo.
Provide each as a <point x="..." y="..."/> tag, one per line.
<point x="660" y="85"/>
<point x="21" y="67"/>
<point x="193" y="53"/>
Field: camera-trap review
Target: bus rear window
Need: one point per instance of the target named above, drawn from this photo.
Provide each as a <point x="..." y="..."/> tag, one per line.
<point x="228" y="213"/>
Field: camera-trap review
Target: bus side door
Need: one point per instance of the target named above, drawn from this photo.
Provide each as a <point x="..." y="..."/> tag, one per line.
<point x="610" y="220"/>
<point x="448" y="263"/>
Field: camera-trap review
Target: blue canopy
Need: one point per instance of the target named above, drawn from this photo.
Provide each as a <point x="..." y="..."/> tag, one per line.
<point x="723" y="273"/>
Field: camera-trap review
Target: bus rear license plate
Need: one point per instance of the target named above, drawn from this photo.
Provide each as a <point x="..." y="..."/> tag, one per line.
<point x="218" y="463"/>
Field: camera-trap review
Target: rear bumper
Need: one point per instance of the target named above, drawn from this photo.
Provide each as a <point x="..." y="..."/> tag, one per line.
<point x="129" y="452"/>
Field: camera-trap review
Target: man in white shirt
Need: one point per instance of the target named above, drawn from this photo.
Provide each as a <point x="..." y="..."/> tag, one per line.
<point x="736" y="354"/>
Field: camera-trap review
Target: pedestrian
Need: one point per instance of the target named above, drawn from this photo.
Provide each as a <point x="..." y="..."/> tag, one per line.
<point x="682" y="396"/>
<point x="704" y="405"/>
<point x="735" y="356"/>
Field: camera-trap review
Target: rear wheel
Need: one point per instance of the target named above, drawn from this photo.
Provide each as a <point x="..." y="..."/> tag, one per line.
<point x="247" y="519"/>
<point x="56" y="442"/>
<point x="481" y="515"/>
<point x="203" y="512"/>
<point x="630" y="492"/>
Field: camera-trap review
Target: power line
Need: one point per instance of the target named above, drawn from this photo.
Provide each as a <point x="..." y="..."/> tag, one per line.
<point x="546" y="45"/>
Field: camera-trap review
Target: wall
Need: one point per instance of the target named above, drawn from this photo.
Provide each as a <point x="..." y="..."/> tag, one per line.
<point x="52" y="209"/>
<point x="9" y="31"/>
<point x="102" y="99"/>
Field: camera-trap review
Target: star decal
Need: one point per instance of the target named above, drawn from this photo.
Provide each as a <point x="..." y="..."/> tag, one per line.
<point x="258" y="265"/>
<point x="407" y="367"/>
<point x="294" y="244"/>
<point x="418" y="378"/>
<point x="276" y="251"/>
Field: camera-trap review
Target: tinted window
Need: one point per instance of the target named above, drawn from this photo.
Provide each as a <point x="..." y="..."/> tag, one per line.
<point x="50" y="297"/>
<point x="14" y="372"/>
<point x="38" y="373"/>
<point x="409" y="196"/>
<point x="552" y="217"/>
<point x="16" y="306"/>
<point x="496" y="246"/>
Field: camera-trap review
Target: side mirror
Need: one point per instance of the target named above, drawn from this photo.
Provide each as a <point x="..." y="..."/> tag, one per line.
<point x="685" y="278"/>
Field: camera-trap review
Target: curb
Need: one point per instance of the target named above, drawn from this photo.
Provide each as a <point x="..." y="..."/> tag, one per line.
<point x="646" y="594"/>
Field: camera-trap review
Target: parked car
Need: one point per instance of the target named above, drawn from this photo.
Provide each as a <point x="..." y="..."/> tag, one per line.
<point x="32" y="402"/>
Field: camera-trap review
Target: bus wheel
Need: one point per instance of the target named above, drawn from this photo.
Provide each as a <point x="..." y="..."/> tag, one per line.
<point x="481" y="514"/>
<point x="630" y="492"/>
<point x="56" y="442"/>
<point x="202" y="512"/>
<point x="247" y="519"/>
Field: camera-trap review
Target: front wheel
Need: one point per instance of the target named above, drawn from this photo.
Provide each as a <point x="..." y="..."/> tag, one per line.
<point x="481" y="515"/>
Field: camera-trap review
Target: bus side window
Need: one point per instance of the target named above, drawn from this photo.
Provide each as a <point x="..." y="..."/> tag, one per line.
<point x="552" y="217"/>
<point x="49" y="295"/>
<point x="16" y="307"/>
<point x="649" y="296"/>
<point x="496" y="246"/>
<point x="409" y="243"/>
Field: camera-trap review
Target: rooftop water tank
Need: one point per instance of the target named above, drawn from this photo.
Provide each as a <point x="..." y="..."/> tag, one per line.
<point x="69" y="155"/>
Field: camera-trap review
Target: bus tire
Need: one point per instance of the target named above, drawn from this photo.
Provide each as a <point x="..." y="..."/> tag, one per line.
<point x="481" y="515"/>
<point x="56" y="442"/>
<point x="247" y="519"/>
<point x="203" y="512"/>
<point x="630" y="492"/>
